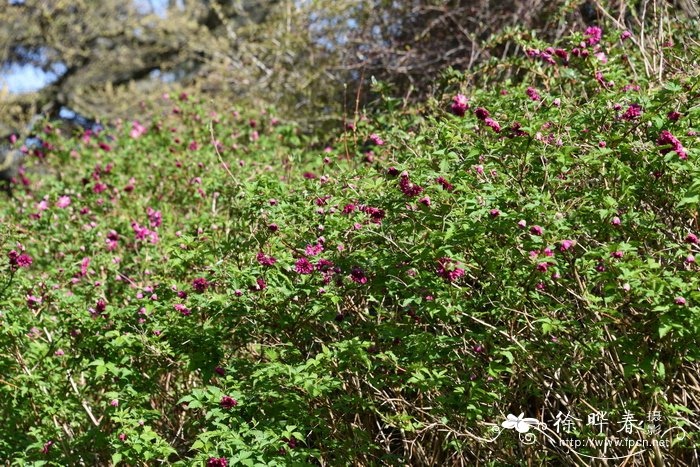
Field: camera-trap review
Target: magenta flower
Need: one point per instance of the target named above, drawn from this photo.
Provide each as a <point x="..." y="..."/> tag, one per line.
<point x="615" y="221"/>
<point x="481" y="113"/>
<point x="182" y="309"/>
<point x="667" y="139"/>
<point x="265" y="260"/>
<point x="217" y="462"/>
<point x="459" y="105"/>
<point x="536" y="230"/>
<point x="680" y="301"/>
<point x="565" y="245"/>
<point x="532" y="94"/>
<point x="691" y="238"/>
<point x="358" y="275"/>
<point x="376" y="139"/>
<point x="228" y="402"/>
<point x="136" y="130"/>
<point x="673" y="116"/>
<point x="63" y="202"/>
<point x="314" y="250"/>
<point x="260" y="284"/>
<point x="634" y="111"/>
<point x="303" y="266"/>
<point x="449" y="269"/>
<point x="594" y="34"/>
<point x="408" y="188"/>
<point x="617" y="254"/>
<point x="425" y="201"/>
<point x="46" y="447"/>
<point x="561" y="53"/>
<point x="494" y="213"/>
<point x="155" y="218"/>
<point x="142" y="233"/>
<point x="625" y="35"/>
<point x="376" y="215"/>
<point x="273" y="227"/>
<point x="33" y="301"/>
<point x="112" y="239"/>
<point x="445" y="184"/>
<point x="493" y="124"/>
<point x="18" y="260"/>
<point x="200" y="284"/>
<point x="542" y="267"/>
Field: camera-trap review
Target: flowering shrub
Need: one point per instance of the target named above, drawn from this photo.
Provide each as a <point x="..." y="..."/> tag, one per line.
<point x="221" y="289"/>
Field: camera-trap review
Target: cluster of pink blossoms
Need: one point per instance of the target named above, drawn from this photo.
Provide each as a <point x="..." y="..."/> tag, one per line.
<point x="407" y="187"/>
<point x="459" y="105"/>
<point x="667" y="139"/>
<point x="449" y="269"/>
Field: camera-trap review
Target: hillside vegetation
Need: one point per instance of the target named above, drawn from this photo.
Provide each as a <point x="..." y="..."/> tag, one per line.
<point x="195" y="288"/>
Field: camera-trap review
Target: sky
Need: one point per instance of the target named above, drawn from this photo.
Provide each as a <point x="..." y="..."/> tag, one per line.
<point x="28" y="78"/>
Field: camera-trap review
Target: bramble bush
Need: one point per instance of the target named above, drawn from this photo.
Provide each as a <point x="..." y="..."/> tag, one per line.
<point x="225" y="289"/>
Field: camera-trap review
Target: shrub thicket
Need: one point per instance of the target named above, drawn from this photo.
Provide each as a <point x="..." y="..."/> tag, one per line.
<point x="221" y="289"/>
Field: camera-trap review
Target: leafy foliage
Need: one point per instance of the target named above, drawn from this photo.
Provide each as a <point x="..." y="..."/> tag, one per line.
<point x="209" y="286"/>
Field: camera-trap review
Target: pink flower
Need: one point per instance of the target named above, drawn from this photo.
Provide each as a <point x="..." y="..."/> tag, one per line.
<point x="114" y="403"/>
<point x="136" y="130"/>
<point x="691" y="238"/>
<point x="522" y="223"/>
<point x="155" y="218"/>
<point x="217" y="462"/>
<point x="303" y="266"/>
<point x="565" y="245"/>
<point x="182" y="309"/>
<point x="63" y="201"/>
<point x="18" y="260"/>
<point x="228" y="402"/>
<point x="425" y="201"/>
<point x="408" y="188"/>
<point x="200" y="284"/>
<point x="493" y="124"/>
<point x="532" y="94"/>
<point x="376" y="139"/>
<point x="33" y="301"/>
<point x="459" y="105"/>
<point x="625" y="35"/>
<point x="680" y="301"/>
<point x="690" y="259"/>
<point x="481" y="113"/>
<point x="633" y="112"/>
<point x="615" y="221"/>
<point x="536" y="230"/>
<point x="594" y="34"/>
<point x="667" y="139"/>
<point x="265" y="260"/>
<point x="673" y="116"/>
<point x="494" y="213"/>
<point x="358" y="275"/>
<point x="313" y="250"/>
<point x="445" y="184"/>
<point x="617" y="254"/>
<point x="542" y="267"/>
<point x="449" y="269"/>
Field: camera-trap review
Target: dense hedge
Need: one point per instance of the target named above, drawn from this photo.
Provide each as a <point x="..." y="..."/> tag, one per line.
<point x="224" y="289"/>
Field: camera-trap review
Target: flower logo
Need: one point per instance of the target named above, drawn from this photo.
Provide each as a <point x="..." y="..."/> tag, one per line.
<point x="522" y="425"/>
